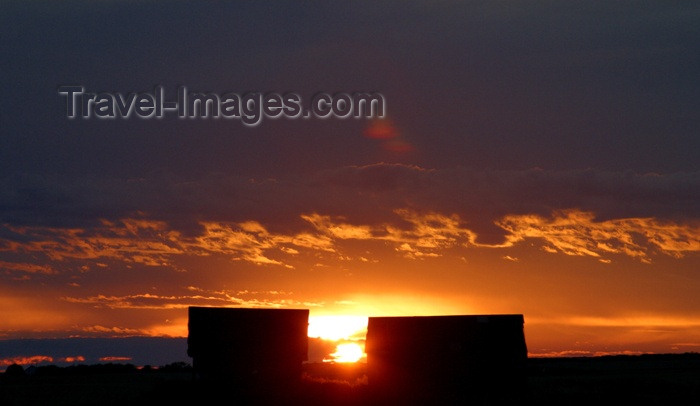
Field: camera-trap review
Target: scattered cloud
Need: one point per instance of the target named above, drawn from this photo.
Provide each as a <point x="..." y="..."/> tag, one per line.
<point x="129" y="240"/>
<point x="72" y="359"/>
<point x="151" y="301"/>
<point x="414" y="235"/>
<point x="581" y="353"/>
<point x="112" y="331"/>
<point x="564" y="353"/>
<point x="218" y="298"/>
<point x="115" y="359"/>
<point x="574" y="232"/>
<point x="25" y="360"/>
<point x="27" y="267"/>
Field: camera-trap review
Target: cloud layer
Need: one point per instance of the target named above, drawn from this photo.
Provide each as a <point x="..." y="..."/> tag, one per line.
<point x="420" y="212"/>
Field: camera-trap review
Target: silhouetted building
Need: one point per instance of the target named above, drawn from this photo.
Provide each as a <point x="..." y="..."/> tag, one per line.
<point x="449" y="359"/>
<point x="248" y="346"/>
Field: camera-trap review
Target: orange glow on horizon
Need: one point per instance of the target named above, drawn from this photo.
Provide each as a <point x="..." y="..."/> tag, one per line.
<point x="336" y="328"/>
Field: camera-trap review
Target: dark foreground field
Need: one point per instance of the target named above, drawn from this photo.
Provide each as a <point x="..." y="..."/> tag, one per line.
<point x="633" y="380"/>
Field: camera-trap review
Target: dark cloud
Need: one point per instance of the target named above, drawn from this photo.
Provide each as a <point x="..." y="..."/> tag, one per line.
<point x="558" y="85"/>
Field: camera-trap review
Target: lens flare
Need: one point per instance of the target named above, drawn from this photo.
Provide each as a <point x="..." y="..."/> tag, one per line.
<point x="381" y="129"/>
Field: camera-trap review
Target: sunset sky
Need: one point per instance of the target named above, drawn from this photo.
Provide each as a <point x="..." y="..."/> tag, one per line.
<point x="539" y="158"/>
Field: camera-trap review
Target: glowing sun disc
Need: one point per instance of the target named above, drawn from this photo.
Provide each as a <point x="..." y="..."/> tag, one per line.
<point x="347" y="352"/>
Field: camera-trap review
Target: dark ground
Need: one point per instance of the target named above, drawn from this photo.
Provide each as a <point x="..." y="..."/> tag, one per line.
<point x="672" y="379"/>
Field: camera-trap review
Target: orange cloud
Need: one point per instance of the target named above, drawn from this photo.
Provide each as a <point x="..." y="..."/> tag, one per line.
<point x="132" y="240"/>
<point x="432" y="230"/>
<point x="575" y="232"/>
<point x="113" y="331"/>
<point x="77" y="358"/>
<point x="342" y="231"/>
<point x="206" y="298"/>
<point x="153" y="243"/>
<point x="151" y="301"/>
<point x="581" y="353"/>
<point x="249" y="241"/>
<point x="34" y="359"/>
<point x="414" y="235"/>
<point x="428" y="234"/>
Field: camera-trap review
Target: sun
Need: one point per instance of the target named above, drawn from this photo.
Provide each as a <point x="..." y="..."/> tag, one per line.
<point x="342" y="330"/>
<point x="348" y="352"/>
